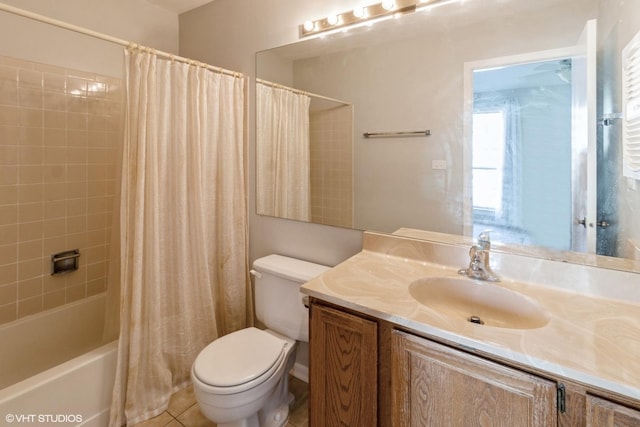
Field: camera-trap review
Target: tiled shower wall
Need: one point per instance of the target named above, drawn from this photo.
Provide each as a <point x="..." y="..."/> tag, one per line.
<point x="59" y="133"/>
<point x="331" y="140"/>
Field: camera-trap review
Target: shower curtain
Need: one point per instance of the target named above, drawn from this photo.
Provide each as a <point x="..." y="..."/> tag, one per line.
<point x="282" y="153"/>
<point x="183" y="227"/>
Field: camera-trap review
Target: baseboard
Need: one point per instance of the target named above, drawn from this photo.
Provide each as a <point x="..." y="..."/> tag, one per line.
<point x="301" y="372"/>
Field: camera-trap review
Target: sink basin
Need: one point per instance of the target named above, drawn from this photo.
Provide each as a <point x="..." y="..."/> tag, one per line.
<point x="479" y="302"/>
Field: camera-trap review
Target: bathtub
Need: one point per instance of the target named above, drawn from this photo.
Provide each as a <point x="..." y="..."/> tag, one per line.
<point x="74" y="392"/>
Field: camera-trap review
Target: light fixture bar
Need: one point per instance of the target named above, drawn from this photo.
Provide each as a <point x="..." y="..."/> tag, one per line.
<point x="430" y="4"/>
<point x="359" y="15"/>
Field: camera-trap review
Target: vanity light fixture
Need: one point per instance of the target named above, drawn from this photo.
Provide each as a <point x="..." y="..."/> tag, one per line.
<point x="362" y="15"/>
<point x="430" y="4"/>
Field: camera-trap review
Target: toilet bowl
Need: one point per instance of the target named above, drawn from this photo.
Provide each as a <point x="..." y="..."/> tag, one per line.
<point x="241" y="379"/>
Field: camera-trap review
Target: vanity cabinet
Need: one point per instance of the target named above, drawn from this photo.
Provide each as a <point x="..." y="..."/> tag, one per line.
<point x="367" y="372"/>
<point x="434" y="384"/>
<point x="343" y="360"/>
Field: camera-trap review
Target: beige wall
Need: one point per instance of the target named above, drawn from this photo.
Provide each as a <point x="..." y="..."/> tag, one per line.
<point x="60" y="112"/>
<point x="132" y="20"/>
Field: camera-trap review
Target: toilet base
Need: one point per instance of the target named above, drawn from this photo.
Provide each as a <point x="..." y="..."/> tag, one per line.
<point x="247" y="422"/>
<point x="275" y="413"/>
<point x="276" y="416"/>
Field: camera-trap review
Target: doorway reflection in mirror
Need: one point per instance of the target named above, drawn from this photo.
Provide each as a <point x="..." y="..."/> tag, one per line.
<point x="521" y="153"/>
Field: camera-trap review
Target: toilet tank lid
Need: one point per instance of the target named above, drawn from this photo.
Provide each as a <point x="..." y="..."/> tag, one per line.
<point x="289" y="268"/>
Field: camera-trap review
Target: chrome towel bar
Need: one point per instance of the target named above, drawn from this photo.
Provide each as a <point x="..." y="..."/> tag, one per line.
<point x="391" y="134"/>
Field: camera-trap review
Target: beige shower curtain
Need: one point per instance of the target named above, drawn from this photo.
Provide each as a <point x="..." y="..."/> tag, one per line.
<point x="183" y="225"/>
<point x="282" y="153"/>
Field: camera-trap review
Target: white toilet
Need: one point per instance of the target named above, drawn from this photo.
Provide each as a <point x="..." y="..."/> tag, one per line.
<point x="241" y="379"/>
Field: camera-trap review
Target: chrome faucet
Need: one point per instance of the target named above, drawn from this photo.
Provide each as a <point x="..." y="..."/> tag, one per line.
<point x="479" y="267"/>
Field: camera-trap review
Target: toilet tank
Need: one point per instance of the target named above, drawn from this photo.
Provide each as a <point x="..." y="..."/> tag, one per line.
<point x="278" y="299"/>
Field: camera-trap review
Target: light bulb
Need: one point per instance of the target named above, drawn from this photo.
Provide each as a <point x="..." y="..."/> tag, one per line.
<point x="332" y="19"/>
<point x="388" y="4"/>
<point x="309" y="25"/>
<point x="358" y="12"/>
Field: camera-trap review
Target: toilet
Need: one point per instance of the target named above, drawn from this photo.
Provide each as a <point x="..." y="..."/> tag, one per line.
<point x="242" y="379"/>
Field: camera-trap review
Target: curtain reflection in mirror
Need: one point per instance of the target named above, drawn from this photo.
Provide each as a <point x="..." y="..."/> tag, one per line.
<point x="304" y="155"/>
<point x="282" y="152"/>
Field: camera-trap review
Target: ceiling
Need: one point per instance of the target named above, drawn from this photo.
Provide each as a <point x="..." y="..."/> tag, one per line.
<point x="179" y="6"/>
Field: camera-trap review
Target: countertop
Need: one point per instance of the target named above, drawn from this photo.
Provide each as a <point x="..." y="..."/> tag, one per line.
<point x="592" y="337"/>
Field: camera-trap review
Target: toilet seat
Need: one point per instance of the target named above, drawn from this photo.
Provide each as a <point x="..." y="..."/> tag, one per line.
<point x="239" y="361"/>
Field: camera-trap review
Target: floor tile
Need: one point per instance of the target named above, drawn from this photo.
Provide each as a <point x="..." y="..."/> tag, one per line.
<point x="160" y="421"/>
<point x="299" y="416"/>
<point x="193" y="417"/>
<point x="183" y="410"/>
<point x="181" y="401"/>
<point x="299" y="411"/>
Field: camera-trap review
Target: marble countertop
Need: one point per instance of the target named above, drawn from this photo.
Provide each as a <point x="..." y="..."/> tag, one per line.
<point x="590" y="338"/>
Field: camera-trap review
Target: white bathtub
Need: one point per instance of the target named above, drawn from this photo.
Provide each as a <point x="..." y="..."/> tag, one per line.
<point x="74" y="393"/>
<point x="58" y="370"/>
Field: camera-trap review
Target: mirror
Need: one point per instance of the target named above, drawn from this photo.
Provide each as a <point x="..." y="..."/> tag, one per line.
<point x="427" y="82"/>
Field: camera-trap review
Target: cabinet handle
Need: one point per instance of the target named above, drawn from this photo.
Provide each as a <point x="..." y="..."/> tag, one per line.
<point x="562" y="398"/>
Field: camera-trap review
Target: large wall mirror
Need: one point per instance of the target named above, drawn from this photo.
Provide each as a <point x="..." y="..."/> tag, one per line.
<point x="473" y="115"/>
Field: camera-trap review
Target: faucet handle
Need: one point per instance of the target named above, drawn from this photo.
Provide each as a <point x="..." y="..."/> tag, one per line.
<point x="475" y="253"/>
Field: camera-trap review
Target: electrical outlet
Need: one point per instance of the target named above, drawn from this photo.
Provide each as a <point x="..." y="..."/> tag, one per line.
<point x="439" y="164"/>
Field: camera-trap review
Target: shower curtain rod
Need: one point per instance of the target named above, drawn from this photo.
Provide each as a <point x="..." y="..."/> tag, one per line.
<point x="87" y="32"/>
<point x="301" y="92"/>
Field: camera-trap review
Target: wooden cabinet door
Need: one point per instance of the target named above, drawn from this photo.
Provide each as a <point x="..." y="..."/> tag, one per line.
<point x="342" y="369"/>
<point x="604" y="413"/>
<point x="575" y="414"/>
<point x="434" y="385"/>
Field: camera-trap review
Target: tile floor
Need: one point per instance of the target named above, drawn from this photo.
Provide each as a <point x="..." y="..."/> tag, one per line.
<point x="183" y="410"/>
